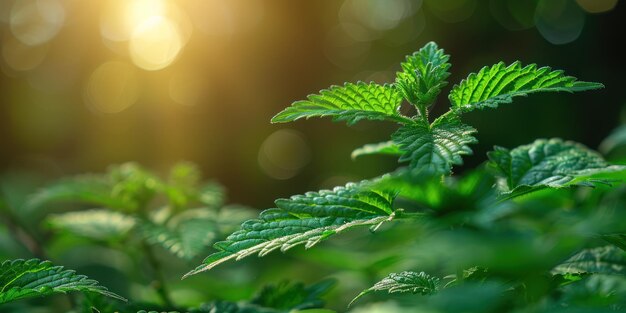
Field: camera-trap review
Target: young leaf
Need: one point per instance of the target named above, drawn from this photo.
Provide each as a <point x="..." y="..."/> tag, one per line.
<point x="436" y="147"/>
<point x="423" y="75"/>
<point x="350" y="103"/>
<point x="304" y="219"/>
<point x="416" y="283"/>
<point x="21" y="279"/>
<point x="601" y="260"/>
<point x="499" y="83"/>
<point x="550" y="163"/>
<point x="387" y="147"/>
<point x="95" y="224"/>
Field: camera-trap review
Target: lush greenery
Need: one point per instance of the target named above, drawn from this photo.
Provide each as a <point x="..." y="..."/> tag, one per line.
<point x="536" y="228"/>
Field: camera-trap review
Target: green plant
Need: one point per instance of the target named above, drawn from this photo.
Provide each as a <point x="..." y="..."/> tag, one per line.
<point x="536" y="228"/>
<point x="452" y="206"/>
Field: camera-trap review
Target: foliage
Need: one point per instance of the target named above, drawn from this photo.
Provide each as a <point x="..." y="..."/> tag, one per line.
<point x="537" y="228"/>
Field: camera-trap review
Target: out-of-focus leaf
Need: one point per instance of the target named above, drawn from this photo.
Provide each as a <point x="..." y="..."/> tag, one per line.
<point x="601" y="260"/>
<point x="95" y="224"/>
<point x="552" y="163"/>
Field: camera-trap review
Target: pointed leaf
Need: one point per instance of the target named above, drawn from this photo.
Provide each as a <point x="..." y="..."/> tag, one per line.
<point x="423" y="75"/>
<point x="350" y="103"/>
<point x="499" y="83"/>
<point x="416" y="283"/>
<point x="304" y="220"/>
<point x="21" y="279"/>
<point x="550" y="163"/>
<point x="387" y="147"/>
<point x="601" y="260"/>
<point x="436" y="147"/>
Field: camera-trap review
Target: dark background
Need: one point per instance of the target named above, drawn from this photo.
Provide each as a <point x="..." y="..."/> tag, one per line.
<point x="249" y="59"/>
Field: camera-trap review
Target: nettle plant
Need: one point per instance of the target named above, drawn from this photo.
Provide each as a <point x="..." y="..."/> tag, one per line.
<point x="521" y="233"/>
<point x="449" y="205"/>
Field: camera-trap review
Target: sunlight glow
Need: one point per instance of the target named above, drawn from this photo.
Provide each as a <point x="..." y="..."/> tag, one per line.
<point x="155" y="43"/>
<point x="34" y="22"/>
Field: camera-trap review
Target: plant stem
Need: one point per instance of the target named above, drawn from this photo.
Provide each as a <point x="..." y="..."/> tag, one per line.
<point x="20" y="232"/>
<point x="159" y="279"/>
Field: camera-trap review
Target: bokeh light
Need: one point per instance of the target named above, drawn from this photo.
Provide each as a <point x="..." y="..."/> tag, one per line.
<point x="597" y="6"/>
<point x="21" y="57"/>
<point x="120" y="18"/>
<point x="155" y="44"/>
<point x="186" y="87"/>
<point x="559" y="21"/>
<point x="514" y="14"/>
<point x="377" y="14"/>
<point x="35" y="22"/>
<point x="112" y="87"/>
<point x="452" y="11"/>
<point x="283" y="154"/>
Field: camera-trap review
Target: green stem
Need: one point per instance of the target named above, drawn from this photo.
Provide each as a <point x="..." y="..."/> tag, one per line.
<point x="159" y="279"/>
<point x="20" y="232"/>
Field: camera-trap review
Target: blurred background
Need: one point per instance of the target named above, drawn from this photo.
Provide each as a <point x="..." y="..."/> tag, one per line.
<point x="85" y="84"/>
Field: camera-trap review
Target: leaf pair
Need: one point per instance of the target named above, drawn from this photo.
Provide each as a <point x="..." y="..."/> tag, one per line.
<point x="436" y="146"/>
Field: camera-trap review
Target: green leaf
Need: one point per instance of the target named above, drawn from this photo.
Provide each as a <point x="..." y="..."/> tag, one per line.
<point x="95" y="224"/>
<point x="618" y="240"/>
<point x="423" y="75"/>
<point x="387" y="147"/>
<point x="21" y="279"/>
<point x="601" y="260"/>
<point x="88" y="189"/>
<point x="304" y="220"/>
<point x="413" y="282"/>
<point x="185" y="237"/>
<point x="350" y="103"/>
<point x="287" y="296"/>
<point x="498" y="84"/>
<point x="436" y="147"/>
<point x="550" y="163"/>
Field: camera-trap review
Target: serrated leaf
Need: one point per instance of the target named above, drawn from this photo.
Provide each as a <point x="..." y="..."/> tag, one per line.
<point x="550" y="163"/>
<point x="601" y="260"/>
<point x="304" y="220"/>
<point x="437" y="147"/>
<point x="95" y="224"/>
<point x="498" y="84"/>
<point x="413" y="282"/>
<point x="350" y="103"/>
<point x="21" y="279"/>
<point x="423" y="75"/>
<point x="387" y="147"/>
